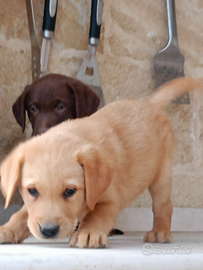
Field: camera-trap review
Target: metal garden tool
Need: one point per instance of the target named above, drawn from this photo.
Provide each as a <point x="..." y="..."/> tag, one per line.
<point x="169" y="62"/>
<point x="40" y="55"/>
<point x="49" y="21"/>
<point x="89" y="72"/>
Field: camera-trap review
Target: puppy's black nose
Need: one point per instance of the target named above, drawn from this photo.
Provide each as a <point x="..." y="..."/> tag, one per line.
<point x="49" y="231"/>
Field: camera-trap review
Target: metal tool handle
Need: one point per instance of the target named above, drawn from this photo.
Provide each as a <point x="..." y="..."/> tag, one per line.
<point x="49" y="20"/>
<point x="172" y="26"/>
<point x="95" y="22"/>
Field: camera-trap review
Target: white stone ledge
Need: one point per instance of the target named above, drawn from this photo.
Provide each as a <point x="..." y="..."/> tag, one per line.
<point x="123" y="253"/>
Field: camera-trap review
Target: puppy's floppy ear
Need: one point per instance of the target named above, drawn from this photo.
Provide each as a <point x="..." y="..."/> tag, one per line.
<point x="19" y="108"/>
<point x="98" y="174"/>
<point x="11" y="172"/>
<point x="86" y="101"/>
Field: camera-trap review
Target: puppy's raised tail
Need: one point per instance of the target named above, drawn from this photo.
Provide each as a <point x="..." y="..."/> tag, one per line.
<point x="174" y="89"/>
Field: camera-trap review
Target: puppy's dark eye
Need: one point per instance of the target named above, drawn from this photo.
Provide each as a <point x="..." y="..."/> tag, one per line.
<point x="61" y="107"/>
<point x="33" y="192"/>
<point x="33" y="108"/>
<point x="69" y="192"/>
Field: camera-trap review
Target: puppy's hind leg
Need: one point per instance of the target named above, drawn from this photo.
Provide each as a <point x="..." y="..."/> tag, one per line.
<point x="160" y="191"/>
<point x="16" y="230"/>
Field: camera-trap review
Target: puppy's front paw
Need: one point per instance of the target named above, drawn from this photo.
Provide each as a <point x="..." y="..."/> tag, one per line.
<point x="12" y="236"/>
<point x="6" y="236"/>
<point x="158" y="237"/>
<point x="89" y="239"/>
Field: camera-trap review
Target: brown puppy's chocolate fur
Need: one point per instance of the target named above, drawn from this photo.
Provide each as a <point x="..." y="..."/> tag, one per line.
<point x="53" y="99"/>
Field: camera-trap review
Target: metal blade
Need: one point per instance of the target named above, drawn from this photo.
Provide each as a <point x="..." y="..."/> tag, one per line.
<point x="89" y="72"/>
<point x="35" y="48"/>
<point x="45" y="55"/>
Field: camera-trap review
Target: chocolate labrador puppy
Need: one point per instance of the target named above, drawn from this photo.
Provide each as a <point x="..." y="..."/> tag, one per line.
<point x="53" y="99"/>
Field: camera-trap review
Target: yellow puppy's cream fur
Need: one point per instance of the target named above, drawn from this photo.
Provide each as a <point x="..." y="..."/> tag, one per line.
<point x="107" y="159"/>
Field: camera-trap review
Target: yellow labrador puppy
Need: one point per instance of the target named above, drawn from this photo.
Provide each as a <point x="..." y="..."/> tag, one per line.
<point x="89" y="169"/>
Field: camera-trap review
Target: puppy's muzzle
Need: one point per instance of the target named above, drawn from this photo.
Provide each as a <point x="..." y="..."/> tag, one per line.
<point x="40" y="131"/>
<point x="49" y="231"/>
